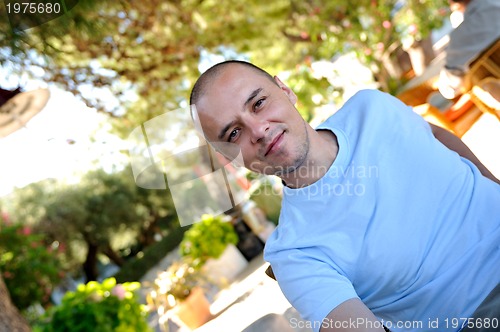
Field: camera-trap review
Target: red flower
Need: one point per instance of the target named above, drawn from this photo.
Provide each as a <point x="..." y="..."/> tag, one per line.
<point x="26" y="230"/>
<point x="6" y="218"/>
<point x="61" y="248"/>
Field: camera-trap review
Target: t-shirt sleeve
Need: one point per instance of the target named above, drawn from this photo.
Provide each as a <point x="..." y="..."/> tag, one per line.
<point x="311" y="285"/>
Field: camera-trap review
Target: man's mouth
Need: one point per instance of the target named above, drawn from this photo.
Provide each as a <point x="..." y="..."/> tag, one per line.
<point x="274" y="144"/>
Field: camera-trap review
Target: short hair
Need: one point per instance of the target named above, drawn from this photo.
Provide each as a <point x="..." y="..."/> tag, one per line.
<point x="207" y="77"/>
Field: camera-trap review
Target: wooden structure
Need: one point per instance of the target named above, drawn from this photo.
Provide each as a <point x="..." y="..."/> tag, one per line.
<point x="486" y="95"/>
<point x="482" y="84"/>
<point x="483" y="80"/>
<point x="487" y="64"/>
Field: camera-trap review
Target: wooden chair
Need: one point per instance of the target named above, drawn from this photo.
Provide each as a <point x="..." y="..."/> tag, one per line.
<point x="483" y="80"/>
<point x="486" y="95"/>
<point x="486" y="64"/>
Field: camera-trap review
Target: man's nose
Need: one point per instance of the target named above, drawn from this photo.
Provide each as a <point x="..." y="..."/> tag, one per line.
<point x="258" y="129"/>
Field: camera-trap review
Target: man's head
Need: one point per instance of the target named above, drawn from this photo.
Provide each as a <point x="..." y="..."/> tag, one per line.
<point x="207" y="77"/>
<point x="240" y="103"/>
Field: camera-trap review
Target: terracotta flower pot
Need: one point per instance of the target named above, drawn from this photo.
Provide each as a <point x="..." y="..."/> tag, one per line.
<point x="194" y="311"/>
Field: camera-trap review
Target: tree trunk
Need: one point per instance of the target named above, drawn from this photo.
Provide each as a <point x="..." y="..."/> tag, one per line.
<point x="113" y="256"/>
<point x="381" y="76"/>
<point x="10" y="318"/>
<point x="421" y="54"/>
<point x="90" y="264"/>
<point x="147" y="235"/>
<point x="389" y="72"/>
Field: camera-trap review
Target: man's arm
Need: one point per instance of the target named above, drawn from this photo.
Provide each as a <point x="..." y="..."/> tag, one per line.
<point x="454" y="143"/>
<point x="352" y="315"/>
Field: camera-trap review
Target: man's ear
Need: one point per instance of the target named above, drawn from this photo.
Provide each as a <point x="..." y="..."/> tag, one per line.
<point x="288" y="92"/>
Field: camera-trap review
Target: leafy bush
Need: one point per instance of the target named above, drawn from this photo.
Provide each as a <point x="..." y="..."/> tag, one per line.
<point x="106" y="307"/>
<point x="208" y="239"/>
<point x="30" y="269"/>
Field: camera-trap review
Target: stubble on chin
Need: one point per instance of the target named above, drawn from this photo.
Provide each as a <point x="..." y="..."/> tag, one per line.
<point x="300" y="161"/>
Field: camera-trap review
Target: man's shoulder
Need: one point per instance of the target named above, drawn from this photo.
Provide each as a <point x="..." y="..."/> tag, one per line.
<point x="364" y="100"/>
<point x="360" y="107"/>
<point x="365" y="96"/>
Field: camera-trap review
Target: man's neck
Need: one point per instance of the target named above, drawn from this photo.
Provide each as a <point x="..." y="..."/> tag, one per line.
<point x="322" y="153"/>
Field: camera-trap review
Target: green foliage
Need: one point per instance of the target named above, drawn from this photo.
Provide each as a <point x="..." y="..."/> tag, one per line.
<point x="106" y="307"/>
<point x="207" y="239"/>
<point x="373" y="29"/>
<point x="100" y="211"/>
<point x="105" y="210"/>
<point x="30" y="268"/>
<point x="305" y="86"/>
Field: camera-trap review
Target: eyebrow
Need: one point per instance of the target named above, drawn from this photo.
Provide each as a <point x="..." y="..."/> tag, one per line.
<point x="225" y="129"/>
<point x="248" y="101"/>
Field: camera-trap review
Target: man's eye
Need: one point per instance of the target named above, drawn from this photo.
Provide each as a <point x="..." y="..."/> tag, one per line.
<point x="259" y="103"/>
<point x="232" y="135"/>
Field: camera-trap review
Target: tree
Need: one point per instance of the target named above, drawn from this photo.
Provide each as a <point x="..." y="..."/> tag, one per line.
<point x="373" y="29"/>
<point x="10" y="318"/>
<point x="104" y="214"/>
<point x="147" y="52"/>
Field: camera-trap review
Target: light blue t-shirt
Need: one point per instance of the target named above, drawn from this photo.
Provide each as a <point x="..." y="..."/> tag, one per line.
<point x="399" y="221"/>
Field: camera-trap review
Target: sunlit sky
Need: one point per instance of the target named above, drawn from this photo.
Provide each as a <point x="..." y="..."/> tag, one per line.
<point x="42" y="148"/>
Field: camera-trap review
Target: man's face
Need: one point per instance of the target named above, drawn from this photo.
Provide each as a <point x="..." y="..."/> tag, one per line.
<point x="244" y="107"/>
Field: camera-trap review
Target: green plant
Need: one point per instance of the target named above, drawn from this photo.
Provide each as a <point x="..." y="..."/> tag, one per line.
<point x="207" y="239"/>
<point x="98" y="307"/>
<point x="30" y="268"/>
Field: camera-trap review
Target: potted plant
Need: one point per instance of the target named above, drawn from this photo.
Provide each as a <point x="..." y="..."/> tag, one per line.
<point x="178" y="292"/>
<point x="207" y="239"/>
<point x="211" y="245"/>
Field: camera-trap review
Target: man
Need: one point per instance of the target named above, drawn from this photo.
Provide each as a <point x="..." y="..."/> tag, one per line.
<point x="380" y="222"/>
<point x="479" y="29"/>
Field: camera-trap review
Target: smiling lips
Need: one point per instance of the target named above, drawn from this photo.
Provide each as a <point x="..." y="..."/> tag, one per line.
<point x="274" y="144"/>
